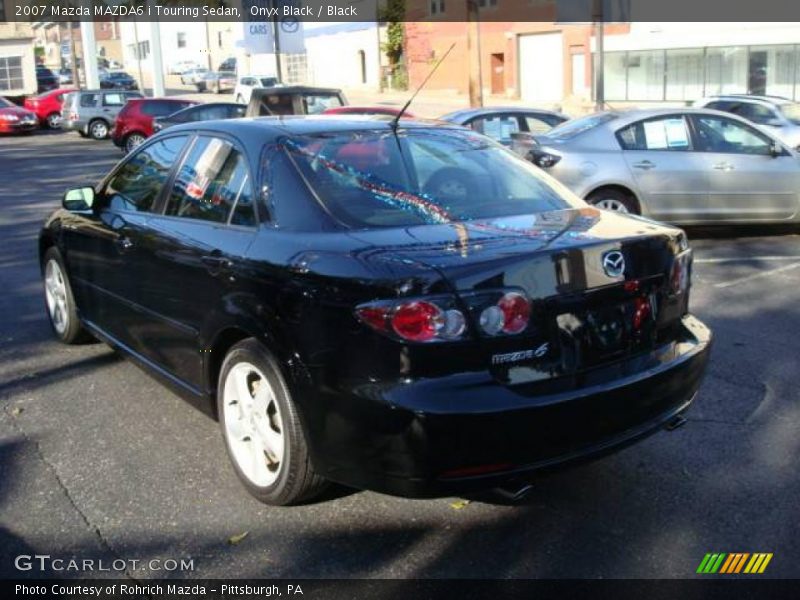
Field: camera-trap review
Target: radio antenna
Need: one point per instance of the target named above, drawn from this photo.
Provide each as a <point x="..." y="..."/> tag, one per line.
<point x="421" y="85"/>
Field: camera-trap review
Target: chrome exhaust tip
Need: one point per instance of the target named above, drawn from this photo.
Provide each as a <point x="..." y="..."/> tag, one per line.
<point x="515" y="494"/>
<point x="675" y="422"/>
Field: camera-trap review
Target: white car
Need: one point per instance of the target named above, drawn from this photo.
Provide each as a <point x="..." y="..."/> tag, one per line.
<point x="181" y="67"/>
<point x="192" y="76"/>
<point x="245" y="85"/>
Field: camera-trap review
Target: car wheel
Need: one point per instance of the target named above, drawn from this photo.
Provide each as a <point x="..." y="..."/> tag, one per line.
<point x="133" y="141"/>
<point x="98" y="129"/>
<point x="262" y="430"/>
<point x="59" y="300"/>
<point x="614" y="201"/>
<point x="53" y="120"/>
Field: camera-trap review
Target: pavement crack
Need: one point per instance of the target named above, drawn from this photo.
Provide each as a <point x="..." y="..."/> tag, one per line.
<point x="104" y="544"/>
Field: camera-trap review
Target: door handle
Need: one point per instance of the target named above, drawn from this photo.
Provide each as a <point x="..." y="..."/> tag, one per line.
<point x="724" y="166"/>
<point x="645" y="164"/>
<point x="216" y="263"/>
<point x="124" y="243"/>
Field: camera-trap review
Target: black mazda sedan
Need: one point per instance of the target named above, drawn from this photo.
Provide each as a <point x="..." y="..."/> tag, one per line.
<point x="410" y="309"/>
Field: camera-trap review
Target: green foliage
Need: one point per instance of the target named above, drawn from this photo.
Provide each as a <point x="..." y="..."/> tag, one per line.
<point x="393" y="13"/>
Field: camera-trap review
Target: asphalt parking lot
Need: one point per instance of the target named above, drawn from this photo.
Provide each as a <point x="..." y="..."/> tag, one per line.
<point x="97" y="460"/>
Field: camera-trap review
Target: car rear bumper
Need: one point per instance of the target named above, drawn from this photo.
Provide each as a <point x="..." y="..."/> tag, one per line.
<point x="70" y="125"/>
<point x="422" y="439"/>
<point x="18" y="126"/>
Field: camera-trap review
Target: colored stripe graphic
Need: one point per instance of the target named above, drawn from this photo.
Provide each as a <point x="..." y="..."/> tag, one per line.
<point x="734" y="562"/>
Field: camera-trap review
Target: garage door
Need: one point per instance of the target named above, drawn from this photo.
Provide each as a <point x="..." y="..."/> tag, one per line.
<point x="541" y="67"/>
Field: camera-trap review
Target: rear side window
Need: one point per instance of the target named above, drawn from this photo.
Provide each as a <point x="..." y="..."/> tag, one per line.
<point x="211" y="183"/>
<point x="137" y="183"/>
<point x="497" y="127"/>
<point x="276" y="104"/>
<point x="669" y="133"/>
<point x="88" y="100"/>
<point x="162" y="109"/>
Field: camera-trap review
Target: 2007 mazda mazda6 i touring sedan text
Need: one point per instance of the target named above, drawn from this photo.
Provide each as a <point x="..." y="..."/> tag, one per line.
<point x="405" y="308"/>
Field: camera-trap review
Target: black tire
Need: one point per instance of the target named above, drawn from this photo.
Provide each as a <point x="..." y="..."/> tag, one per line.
<point x="83" y="134"/>
<point x="296" y="478"/>
<point x="607" y="198"/>
<point x="73" y="332"/>
<point x="98" y="129"/>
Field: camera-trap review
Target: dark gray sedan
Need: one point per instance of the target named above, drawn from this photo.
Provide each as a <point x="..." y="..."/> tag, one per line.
<point x="499" y="123"/>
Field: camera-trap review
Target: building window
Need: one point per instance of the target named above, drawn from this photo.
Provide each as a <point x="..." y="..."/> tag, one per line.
<point x="140" y="51"/>
<point x="691" y="73"/>
<point x="11" y="73"/>
<point x="181" y="39"/>
<point x="437" y="7"/>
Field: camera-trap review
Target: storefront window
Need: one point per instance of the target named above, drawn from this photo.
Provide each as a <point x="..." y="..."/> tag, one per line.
<point x="772" y="70"/>
<point x="614" y="75"/>
<point x="684" y="74"/>
<point x="646" y="75"/>
<point x="726" y="70"/>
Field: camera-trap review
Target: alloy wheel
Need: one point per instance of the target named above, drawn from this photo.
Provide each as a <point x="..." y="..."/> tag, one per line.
<point x="253" y="424"/>
<point x="134" y="141"/>
<point x="55" y="290"/>
<point x="99" y="130"/>
<point x="54" y="121"/>
<point x="611" y="204"/>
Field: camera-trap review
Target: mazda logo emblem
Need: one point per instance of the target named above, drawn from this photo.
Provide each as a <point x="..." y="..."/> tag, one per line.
<point x="614" y="263"/>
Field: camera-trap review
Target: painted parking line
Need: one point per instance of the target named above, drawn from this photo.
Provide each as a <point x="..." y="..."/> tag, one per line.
<point x="759" y="275"/>
<point x="714" y="261"/>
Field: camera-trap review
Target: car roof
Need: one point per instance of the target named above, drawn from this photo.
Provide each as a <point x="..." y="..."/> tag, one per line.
<point x="269" y="128"/>
<point x="469" y="113"/>
<point x="771" y="100"/>
<point x="295" y="89"/>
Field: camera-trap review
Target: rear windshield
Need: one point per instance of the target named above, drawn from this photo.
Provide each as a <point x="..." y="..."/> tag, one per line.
<point x="379" y="179"/>
<point x="5" y="103"/>
<point x="570" y="129"/>
<point x="791" y="112"/>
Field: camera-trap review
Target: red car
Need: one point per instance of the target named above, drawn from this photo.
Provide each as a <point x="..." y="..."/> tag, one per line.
<point x="15" y="119"/>
<point x="365" y="110"/>
<point x="47" y="106"/>
<point x="134" y="123"/>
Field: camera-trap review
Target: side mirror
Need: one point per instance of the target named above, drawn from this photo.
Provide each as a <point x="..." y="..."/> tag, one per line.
<point x="775" y="149"/>
<point x="522" y="142"/>
<point x="78" y="199"/>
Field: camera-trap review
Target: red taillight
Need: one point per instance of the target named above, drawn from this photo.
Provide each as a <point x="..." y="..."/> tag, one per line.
<point x="417" y="321"/>
<point x="510" y="315"/>
<point x="641" y="312"/>
<point x="516" y="312"/>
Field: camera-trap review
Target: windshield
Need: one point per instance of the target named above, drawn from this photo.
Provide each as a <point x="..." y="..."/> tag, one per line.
<point x="5" y="103"/>
<point x="376" y="179"/>
<point x="791" y="112"/>
<point x="268" y="81"/>
<point x="570" y="129"/>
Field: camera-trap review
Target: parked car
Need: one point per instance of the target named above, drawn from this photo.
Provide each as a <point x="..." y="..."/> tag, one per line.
<point x="134" y="123"/>
<point x="676" y="165"/>
<point x="45" y="79"/>
<point x="181" y="67"/>
<point x="216" y="82"/>
<point x="48" y="106"/>
<point x="499" y="123"/>
<point x="118" y="80"/>
<point x="366" y="110"/>
<point x="228" y="65"/>
<point x="192" y="76"/>
<point x="344" y="297"/>
<point x="780" y="116"/>
<point x="15" y="119"/>
<point x="293" y="100"/>
<point x="247" y="83"/>
<point x="92" y="112"/>
<point x="200" y="112"/>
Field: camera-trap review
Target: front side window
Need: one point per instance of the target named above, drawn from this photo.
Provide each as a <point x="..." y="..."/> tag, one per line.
<point x="211" y="181"/>
<point x="137" y="184"/>
<point x="162" y="109"/>
<point x="718" y="134"/>
<point x="669" y="133"/>
<point x="541" y="124"/>
<point x="314" y="104"/>
<point x="114" y="99"/>
<point x="757" y="113"/>
<point x="379" y="179"/>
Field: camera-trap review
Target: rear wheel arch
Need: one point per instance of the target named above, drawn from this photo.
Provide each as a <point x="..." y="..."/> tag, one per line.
<point x="616" y="189"/>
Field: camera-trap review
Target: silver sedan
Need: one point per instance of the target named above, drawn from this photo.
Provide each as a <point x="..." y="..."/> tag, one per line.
<point x="679" y="165"/>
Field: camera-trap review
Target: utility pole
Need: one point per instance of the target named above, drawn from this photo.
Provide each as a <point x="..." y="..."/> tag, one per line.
<point x="89" y="55"/>
<point x="276" y="40"/>
<point x="158" y="63"/>
<point x="599" y="32"/>
<point x="138" y="52"/>
<point x="475" y="88"/>
<point x="73" y="56"/>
